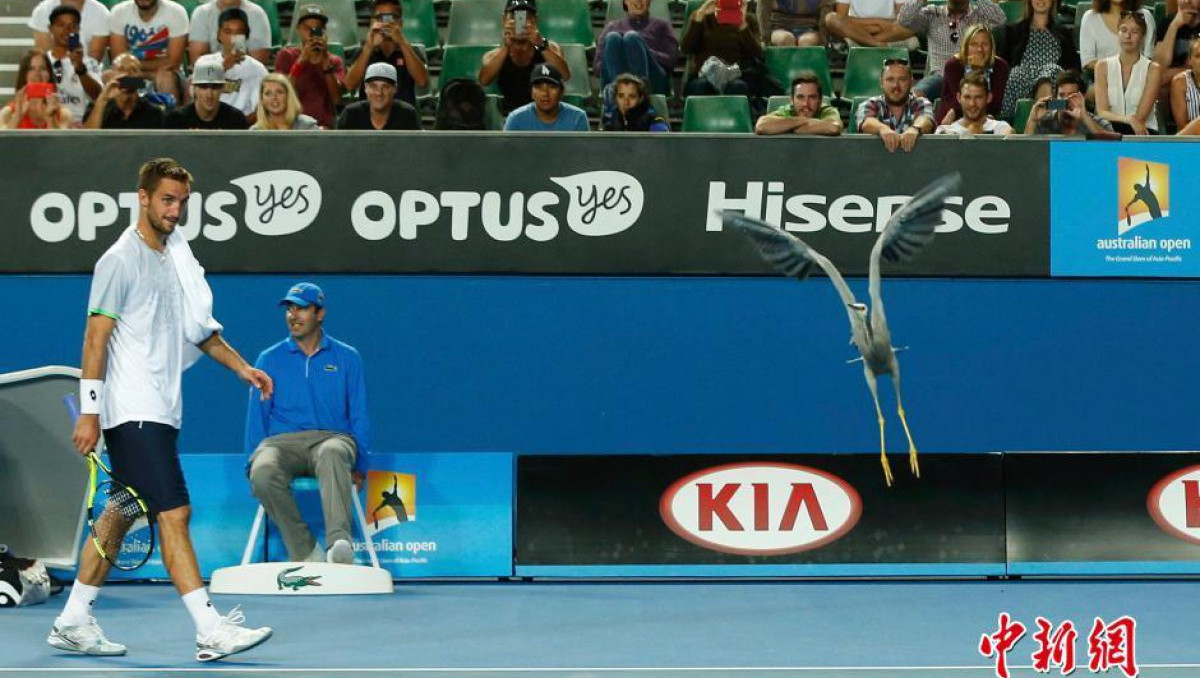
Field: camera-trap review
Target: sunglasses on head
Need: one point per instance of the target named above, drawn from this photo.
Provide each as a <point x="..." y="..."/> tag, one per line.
<point x="895" y="61"/>
<point x="954" y="31"/>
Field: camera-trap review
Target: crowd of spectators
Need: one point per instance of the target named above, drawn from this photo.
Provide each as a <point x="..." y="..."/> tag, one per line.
<point x="145" y="64"/>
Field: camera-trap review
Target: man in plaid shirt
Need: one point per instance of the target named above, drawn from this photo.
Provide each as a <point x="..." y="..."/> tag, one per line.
<point x="898" y="116"/>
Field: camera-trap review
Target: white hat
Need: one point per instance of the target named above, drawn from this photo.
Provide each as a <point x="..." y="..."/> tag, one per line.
<point x="209" y="70"/>
<point x="380" y="70"/>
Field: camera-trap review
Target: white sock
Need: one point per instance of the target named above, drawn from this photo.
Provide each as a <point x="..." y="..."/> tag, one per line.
<point x="203" y="613"/>
<point x="79" y="604"/>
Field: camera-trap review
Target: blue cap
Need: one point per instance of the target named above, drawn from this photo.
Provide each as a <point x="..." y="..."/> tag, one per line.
<point x="304" y="294"/>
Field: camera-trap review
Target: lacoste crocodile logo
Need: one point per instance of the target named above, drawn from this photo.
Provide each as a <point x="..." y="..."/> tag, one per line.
<point x="285" y="579"/>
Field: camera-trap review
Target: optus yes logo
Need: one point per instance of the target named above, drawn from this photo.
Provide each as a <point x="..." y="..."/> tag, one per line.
<point x="763" y="508"/>
<point x="1174" y="503"/>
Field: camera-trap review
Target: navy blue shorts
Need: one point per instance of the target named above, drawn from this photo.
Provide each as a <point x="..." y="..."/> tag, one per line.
<point x="144" y="456"/>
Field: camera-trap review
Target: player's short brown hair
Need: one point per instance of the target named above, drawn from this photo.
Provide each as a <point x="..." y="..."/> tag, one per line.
<point x="154" y="171"/>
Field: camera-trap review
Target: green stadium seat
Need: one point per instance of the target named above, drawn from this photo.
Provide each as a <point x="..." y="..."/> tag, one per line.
<point x="462" y="61"/>
<point x="189" y="5"/>
<point x="1021" y="114"/>
<point x="722" y="114"/>
<point x="659" y="103"/>
<point x="785" y="62"/>
<point x="474" y="22"/>
<point x="863" y="66"/>
<point x="852" y="128"/>
<point x="615" y="9"/>
<point x="271" y="7"/>
<point x="343" y="22"/>
<point x="1080" y="9"/>
<point x="580" y="83"/>
<point x="1014" y="10"/>
<point x="778" y="101"/>
<point x="493" y="119"/>
<point x="420" y="23"/>
<point x="566" y="21"/>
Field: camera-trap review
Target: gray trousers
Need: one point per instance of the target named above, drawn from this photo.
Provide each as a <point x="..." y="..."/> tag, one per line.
<point x="325" y="455"/>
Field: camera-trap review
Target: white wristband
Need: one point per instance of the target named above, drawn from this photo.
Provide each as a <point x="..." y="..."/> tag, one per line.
<point x="91" y="392"/>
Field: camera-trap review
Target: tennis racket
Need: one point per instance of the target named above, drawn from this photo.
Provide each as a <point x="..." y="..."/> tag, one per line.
<point x="118" y="517"/>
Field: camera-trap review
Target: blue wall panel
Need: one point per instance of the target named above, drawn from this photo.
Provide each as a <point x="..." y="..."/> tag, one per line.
<point x="581" y="365"/>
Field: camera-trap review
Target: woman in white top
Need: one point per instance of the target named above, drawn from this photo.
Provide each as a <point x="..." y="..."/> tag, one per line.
<point x="1098" y="30"/>
<point x="1127" y="83"/>
<point x="1185" y="93"/>
<point x="279" y="107"/>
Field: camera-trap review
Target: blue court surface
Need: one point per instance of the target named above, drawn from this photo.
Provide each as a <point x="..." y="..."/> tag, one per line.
<point x="624" y="629"/>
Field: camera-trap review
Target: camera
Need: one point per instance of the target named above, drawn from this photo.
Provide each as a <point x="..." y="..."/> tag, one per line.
<point x="73" y="42"/>
<point x="1056" y="105"/>
<point x="130" y="82"/>
<point x="317" y="31"/>
<point x="239" y="44"/>
<point x="387" y="18"/>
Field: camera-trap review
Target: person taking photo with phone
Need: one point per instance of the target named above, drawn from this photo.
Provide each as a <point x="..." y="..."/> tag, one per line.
<point x="121" y="104"/>
<point x="522" y="48"/>
<point x="386" y="43"/>
<point x="243" y="74"/>
<point x="316" y="75"/>
<point x="76" y="77"/>
<point x="1066" y="112"/>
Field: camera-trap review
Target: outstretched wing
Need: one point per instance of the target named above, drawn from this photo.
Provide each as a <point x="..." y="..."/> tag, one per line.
<point x="791" y="255"/>
<point x="912" y="226"/>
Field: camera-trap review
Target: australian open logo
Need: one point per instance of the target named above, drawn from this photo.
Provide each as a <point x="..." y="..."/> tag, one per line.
<point x="391" y="499"/>
<point x="1143" y="197"/>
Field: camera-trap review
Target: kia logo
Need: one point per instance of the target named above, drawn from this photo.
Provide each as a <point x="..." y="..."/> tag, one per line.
<point x="764" y="508"/>
<point x="1174" y="503"/>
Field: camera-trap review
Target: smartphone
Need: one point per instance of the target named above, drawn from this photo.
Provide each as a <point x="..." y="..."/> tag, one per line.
<point x="317" y="31"/>
<point x="73" y="42"/>
<point x="239" y="44"/>
<point x="520" y="18"/>
<point x="130" y="82"/>
<point x="729" y="12"/>
<point x="1056" y="105"/>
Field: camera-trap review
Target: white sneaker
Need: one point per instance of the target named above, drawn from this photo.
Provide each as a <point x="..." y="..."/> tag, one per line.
<point x="341" y="553"/>
<point x="229" y="638"/>
<point x="84" y="638"/>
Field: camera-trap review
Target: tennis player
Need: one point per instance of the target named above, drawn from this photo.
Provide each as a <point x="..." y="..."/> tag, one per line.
<point x="149" y="318"/>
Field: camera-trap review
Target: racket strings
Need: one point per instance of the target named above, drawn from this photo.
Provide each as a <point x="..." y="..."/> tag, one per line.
<point x="117" y="527"/>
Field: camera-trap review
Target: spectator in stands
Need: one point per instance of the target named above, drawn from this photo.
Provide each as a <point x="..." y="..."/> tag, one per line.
<point x="156" y="31"/>
<point x="34" y="67"/>
<point x="35" y="107"/>
<point x="522" y="48"/>
<point x="547" y="112"/>
<point x="869" y="23"/>
<point x="638" y="44"/>
<point x="728" y="34"/>
<point x="76" y="76"/>
<point x="204" y="32"/>
<point x="121" y="104"/>
<point x="1185" y="91"/>
<point x="316" y="74"/>
<point x="1036" y="47"/>
<point x="1099" y="26"/>
<point x="381" y="110"/>
<point x="1044" y="87"/>
<point x="943" y="26"/>
<point x="93" y="25"/>
<point x="1072" y="120"/>
<point x="386" y="43"/>
<point x="243" y="74"/>
<point x="631" y="110"/>
<point x="977" y="54"/>
<point x="806" y="114"/>
<point x="1175" y="38"/>
<point x="899" y="115"/>
<point x="973" y="100"/>
<point x="792" y="23"/>
<point x="1127" y="83"/>
<point x="279" y="107"/>
<point x="207" y="111"/>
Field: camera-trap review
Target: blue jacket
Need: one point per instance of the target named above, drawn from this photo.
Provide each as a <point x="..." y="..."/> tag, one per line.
<point x="326" y="391"/>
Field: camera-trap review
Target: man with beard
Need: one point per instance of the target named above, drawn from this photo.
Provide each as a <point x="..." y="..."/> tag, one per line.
<point x="898" y="116"/>
<point x="156" y="31"/>
<point x="943" y="25"/>
<point x="547" y="112"/>
<point x="974" y="97"/>
<point x="120" y="104"/>
<point x="381" y="110"/>
<point x="149" y="318"/>
<point x="316" y="425"/>
<point x="805" y="115"/>
<point x="386" y="43"/>
<point x="207" y="111"/>
<point x="315" y="73"/>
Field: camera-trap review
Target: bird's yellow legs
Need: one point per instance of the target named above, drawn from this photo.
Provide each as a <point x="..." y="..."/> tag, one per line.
<point x="912" y="447"/>
<point x="887" y="469"/>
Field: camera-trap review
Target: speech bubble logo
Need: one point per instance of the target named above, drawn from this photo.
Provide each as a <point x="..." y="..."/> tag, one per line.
<point x="602" y="202"/>
<point x="279" y="202"/>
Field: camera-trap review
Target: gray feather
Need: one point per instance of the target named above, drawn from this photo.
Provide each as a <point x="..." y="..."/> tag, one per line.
<point x="913" y="226"/>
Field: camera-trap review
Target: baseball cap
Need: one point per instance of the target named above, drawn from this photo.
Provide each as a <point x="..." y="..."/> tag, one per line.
<point x="381" y="71"/>
<point x="65" y="9"/>
<point x="514" y="5"/>
<point x="304" y="294"/>
<point x="209" y="70"/>
<point x="39" y="90"/>
<point x="313" y="12"/>
<point x="545" y="73"/>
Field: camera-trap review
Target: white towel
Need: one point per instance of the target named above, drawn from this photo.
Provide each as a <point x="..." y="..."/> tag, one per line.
<point x="198" y="321"/>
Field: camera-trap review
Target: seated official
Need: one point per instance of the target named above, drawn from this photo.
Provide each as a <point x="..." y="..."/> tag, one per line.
<point x="314" y="425"/>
